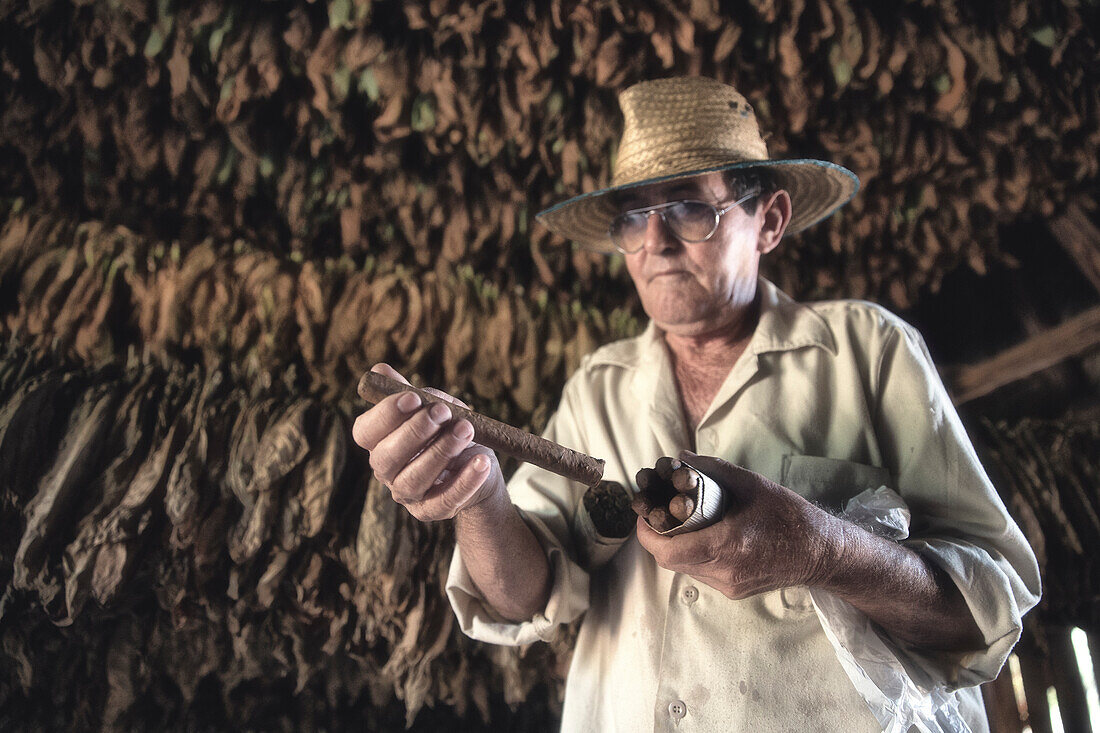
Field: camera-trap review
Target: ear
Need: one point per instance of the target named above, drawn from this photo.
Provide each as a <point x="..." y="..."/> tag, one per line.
<point x="776" y="214"/>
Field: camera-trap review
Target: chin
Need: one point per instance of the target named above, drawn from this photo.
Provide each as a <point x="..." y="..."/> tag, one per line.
<point x="686" y="328"/>
<point x="681" y="322"/>
<point x="675" y="311"/>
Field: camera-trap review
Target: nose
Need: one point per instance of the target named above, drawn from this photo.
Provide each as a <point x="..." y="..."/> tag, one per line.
<point x="658" y="238"/>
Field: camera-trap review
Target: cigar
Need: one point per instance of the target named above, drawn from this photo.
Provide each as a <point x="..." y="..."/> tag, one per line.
<point x="685" y="480"/>
<point x="665" y="466"/>
<point x="661" y="520"/>
<point x="681" y="506"/>
<point x="498" y="436"/>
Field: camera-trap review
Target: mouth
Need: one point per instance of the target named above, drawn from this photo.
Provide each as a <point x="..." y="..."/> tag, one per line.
<point x="668" y="273"/>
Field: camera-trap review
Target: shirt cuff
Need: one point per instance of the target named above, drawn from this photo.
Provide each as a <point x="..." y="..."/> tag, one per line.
<point x="989" y="595"/>
<point x="594" y="548"/>
<point x="568" y="596"/>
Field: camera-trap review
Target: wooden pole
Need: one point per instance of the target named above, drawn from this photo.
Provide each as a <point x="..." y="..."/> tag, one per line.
<point x="1000" y="704"/>
<point x="1035" y="670"/>
<point x="1094" y="652"/>
<point x="1072" y="702"/>
<point x="1080" y="238"/>
<point x="1075" y="336"/>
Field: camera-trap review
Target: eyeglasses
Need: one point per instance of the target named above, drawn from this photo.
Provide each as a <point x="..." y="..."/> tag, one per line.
<point x="689" y="221"/>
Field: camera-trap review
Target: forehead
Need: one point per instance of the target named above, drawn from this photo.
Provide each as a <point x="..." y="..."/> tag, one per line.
<point x="705" y="187"/>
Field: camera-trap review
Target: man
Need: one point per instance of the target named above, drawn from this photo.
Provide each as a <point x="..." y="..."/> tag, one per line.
<point x="794" y="409"/>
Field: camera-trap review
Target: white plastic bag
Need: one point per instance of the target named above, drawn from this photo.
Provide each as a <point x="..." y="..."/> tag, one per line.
<point x="900" y="695"/>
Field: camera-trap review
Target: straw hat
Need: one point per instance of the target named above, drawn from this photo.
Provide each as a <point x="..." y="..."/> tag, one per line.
<point x="681" y="127"/>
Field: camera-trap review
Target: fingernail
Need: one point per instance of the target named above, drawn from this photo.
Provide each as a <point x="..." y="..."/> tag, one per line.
<point x="408" y="402"/>
<point x="480" y="463"/>
<point x="463" y="430"/>
<point x="439" y="414"/>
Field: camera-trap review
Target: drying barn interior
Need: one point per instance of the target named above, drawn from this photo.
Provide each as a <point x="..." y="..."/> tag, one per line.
<point x="214" y="217"/>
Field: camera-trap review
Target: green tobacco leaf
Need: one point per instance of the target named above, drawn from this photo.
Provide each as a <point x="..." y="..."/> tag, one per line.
<point x="267" y="165"/>
<point x="1044" y="36"/>
<point x="368" y="84"/>
<point x="217" y="36"/>
<point x="229" y="164"/>
<point x="339" y="14"/>
<point x="341" y="83"/>
<point x="423" y="113"/>
<point x="842" y="70"/>
<point x="554" y="103"/>
<point x="154" y="44"/>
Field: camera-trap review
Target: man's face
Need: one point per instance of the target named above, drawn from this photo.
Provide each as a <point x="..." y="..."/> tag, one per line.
<point x="692" y="289"/>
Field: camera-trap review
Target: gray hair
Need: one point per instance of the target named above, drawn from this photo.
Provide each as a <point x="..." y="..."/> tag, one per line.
<point x="741" y="181"/>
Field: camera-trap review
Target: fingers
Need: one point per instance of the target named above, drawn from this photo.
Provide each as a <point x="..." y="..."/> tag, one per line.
<point x="379" y="421"/>
<point x="739" y="483"/>
<point x="372" y="426"/>
<point x="412" y="437"/>
<point x="446" y="499"/>
<point x="716" y="468"/>
<point x="678" y="552"/>
<point x="420" y="474"/>
<point x="387" y="371"/>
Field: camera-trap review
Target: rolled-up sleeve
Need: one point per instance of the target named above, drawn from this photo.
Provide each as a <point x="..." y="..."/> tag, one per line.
<point x="548" y="505"/>
<point x="959" y="522"/>
<point x="568" y="597"/>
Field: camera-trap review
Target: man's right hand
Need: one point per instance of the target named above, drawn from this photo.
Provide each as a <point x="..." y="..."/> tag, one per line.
<point x="429" y="463"/>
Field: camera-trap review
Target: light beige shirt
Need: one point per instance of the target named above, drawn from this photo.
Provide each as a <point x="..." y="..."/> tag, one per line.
<point x="828" y="399"/>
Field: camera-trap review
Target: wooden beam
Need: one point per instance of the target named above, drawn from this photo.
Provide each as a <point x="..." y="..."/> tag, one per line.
<point x="1034" y="354"/>
<point x="1080" y="239"/>
<point x="1000" y="704"/>
<point x="1035" y="670"/>
<point x="1068" y="685"/>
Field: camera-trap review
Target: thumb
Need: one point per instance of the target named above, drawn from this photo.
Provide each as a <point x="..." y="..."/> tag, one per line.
<point x="736" y="481"/>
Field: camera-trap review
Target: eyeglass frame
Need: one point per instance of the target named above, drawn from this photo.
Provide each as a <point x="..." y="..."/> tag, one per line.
<point x="657" y="209"/>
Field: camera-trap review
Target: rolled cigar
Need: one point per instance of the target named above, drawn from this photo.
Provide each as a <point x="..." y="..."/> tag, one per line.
<point x="665" y="466"/>
<point x="684" y="480"/>
<point x="681" y="506"/>
<point x="571" y="464"/>
<point x="661" y="520"/>
<point x="641" y="505"/>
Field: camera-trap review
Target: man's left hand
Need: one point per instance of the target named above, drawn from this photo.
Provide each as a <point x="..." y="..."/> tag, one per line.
<point x="769" y="538"/>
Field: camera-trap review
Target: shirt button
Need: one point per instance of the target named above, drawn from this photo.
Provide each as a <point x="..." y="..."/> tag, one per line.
<point x="690" y="594"/>
<point x="677" y="709"/>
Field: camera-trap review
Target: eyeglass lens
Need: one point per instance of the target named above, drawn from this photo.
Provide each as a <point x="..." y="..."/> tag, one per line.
<point x="691" y="221"/>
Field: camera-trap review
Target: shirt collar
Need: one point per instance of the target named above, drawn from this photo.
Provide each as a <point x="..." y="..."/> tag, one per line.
<point x="784" y="325"/>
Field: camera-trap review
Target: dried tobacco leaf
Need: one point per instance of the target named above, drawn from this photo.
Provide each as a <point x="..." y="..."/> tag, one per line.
<point x="75" y="466"/>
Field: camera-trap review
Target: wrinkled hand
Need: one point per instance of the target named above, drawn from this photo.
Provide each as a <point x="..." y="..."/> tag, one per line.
<point x="429" y="463"/>
<point x="769" y="538"/>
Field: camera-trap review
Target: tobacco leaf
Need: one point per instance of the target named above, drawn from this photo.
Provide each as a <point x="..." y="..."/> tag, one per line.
<point x="268" y="461"/>
<point x="128" y="441"/>
<point x="75" y="466"/>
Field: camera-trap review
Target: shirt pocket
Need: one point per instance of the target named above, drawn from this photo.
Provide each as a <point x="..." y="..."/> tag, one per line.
<point x="593" y="548"/>
<point x="830" y="482"/>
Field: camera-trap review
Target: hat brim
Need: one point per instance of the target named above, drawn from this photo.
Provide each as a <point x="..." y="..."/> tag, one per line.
<point x="817" y="188"/>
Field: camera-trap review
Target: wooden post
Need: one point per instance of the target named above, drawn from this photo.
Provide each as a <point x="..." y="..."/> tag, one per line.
<point x="1094" y="652"/>
<point x="1045" y="349"/>
<point x="1035" y="669"/>
<point x="1072" y="703"/>
<point x="1000" y="704"/>
<point x="1081" y="240"/>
